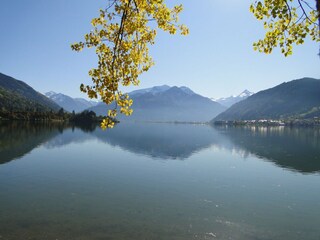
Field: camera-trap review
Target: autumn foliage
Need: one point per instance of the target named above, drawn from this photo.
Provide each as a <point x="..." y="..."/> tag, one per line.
<point x="121" y="36"/>
<point x="287" y="22"/>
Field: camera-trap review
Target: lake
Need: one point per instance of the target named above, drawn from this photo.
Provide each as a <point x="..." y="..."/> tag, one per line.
<point x="159" y="181"/>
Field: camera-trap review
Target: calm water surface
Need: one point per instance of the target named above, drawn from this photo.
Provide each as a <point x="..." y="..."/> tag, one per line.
<point x="159" y="181"/>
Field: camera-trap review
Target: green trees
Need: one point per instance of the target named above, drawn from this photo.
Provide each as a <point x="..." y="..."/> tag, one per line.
<point x="287" y="22"/>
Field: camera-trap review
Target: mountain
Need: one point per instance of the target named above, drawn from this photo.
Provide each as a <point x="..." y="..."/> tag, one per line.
<point x="161" y="141"/>
<point x="159" y="89"/>
<point x="153" y="90"/>
<point x="19" y="96"/>
<point x="164" y="103"/>
<point x="229" y="101"/>
<point x="297" y="98"/>
<point x="295" y="149"/>
<point x="68" y="103"/>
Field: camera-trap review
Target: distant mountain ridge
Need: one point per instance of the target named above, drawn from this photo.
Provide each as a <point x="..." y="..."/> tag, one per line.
<point x="298" y="98"/>
<point x="229" y="101"/>
<point x="16" y="95"/>
<point x="68" y="103"/>
<point x="159" y="89"/>
<point x="164" y="103"/>
<point x="152" y="90"/>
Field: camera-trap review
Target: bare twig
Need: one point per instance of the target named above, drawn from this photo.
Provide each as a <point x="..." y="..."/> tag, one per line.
<point x="110" y="5"/>
<point x="304" y="12"/>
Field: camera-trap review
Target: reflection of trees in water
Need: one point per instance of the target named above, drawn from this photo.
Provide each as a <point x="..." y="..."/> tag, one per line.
<point x="165" y="141"/>
<point x="85" y="127"/>
<point x="72" y="134"/>
<point x="293" y="148"/>
<point x="19" y="137"/>
<point x="296" y="149"/>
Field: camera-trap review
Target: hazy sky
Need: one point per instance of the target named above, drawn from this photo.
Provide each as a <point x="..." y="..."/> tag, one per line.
<point x="215" y="60"/>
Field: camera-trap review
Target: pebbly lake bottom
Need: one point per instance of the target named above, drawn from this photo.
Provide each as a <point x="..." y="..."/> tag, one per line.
<point x="159" y="181"/>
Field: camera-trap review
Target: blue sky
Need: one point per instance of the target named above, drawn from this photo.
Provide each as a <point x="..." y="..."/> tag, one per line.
<point x="215" y="60"/>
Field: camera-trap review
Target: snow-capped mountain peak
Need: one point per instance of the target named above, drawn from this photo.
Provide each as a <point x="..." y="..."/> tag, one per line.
<point x="245" y="93"/>
<point x="159" y="89"/>
<point x="229" y="101"/>
<point x="57" y="97"/>
<point x="68" y="103"/>
<point x="152" y="90"/>
<point x="50" y="94"/>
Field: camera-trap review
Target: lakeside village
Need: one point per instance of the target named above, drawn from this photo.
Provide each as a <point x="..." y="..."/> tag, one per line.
<point x="271" y="122"/>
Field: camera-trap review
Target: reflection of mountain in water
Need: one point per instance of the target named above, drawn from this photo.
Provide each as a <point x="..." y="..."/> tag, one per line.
<point x="166" y="141"/>
<point x="70" y="135"/>
<point x="297" y="149"/>
<point x="19" y="138"/>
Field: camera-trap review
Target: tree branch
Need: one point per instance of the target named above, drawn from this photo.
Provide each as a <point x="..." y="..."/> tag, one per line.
<point x="290" y="15"/>
<point x="110" y="5"/>
<point x="136" y="5"/>
<point x="304" y="12"/>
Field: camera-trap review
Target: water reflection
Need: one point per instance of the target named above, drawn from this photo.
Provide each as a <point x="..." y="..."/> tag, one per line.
<point x="71" y="134"/>
<point x="165" y="141"/>
<point x="296" y="149"/>
<point x="90" y="184"/>
<point x="20" y="138"/>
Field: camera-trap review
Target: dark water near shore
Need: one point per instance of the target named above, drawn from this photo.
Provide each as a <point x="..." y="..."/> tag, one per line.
<point x="159" y="181"/>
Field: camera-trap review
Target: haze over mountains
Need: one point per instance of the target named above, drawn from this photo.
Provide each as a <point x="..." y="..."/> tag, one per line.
<point x="299" y="99"/>
<point x="70" y="104"/>
<point x="164" y="103"/>
<point x="295" y="99"/>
